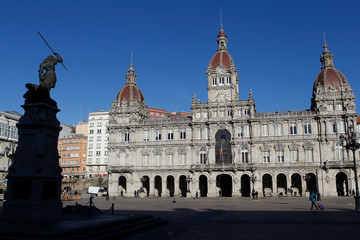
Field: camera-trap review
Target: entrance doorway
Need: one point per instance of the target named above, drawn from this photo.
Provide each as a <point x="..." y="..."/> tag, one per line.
<point x="170" y="185"/>
<point x="158" y="186"/>
<point x="183" y="187"/>
<point x="224" y="183"/>
<point x="146" y="184"/>
<point x="281" y="184"/>
<point x="203" y="186"/>
<point x="342" y="188"/>
<point x="245" y="185"/>
<point x="122" y="184"/>
<point x="267" y="185"/>
<point x="296" y="184"/>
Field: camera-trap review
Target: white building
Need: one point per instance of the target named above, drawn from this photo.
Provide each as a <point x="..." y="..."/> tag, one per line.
<point x="229" y="149"/>
<point x="8" y="139"/>
<point x="98" y="139"/>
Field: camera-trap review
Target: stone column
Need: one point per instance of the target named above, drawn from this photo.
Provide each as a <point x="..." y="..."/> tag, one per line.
<point x="34" y="179"/>
<point x="176" y="187"/>
<point x="164" y="191"/>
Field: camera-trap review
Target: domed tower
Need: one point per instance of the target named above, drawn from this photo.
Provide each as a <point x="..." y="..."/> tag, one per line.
<point x="130" y="101"/>
<point x="223" y="81"/>
<point x="331" y="91"/>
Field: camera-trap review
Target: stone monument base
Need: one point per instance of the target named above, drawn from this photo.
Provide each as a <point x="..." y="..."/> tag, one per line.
<point x="32" y="210"/>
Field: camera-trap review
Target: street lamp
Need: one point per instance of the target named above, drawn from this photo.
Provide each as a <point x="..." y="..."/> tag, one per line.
<point x="188" y="181"/>
<point x="253" y="179"/>
<point x="353" y="145"/>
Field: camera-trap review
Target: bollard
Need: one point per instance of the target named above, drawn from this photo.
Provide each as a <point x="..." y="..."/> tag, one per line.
<point x="112" y="208"/>
<point x="90" y="211"/>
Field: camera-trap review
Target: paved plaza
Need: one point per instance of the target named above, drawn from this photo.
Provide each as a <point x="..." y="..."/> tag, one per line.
<point x="241" y="218"/>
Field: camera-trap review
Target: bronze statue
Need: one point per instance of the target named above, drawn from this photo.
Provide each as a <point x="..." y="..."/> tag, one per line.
<point x="48" y="79"/>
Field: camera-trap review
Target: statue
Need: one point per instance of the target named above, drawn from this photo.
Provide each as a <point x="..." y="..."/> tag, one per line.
<point x="48" y="79"/>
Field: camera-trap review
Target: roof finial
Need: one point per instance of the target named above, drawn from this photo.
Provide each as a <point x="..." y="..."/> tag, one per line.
<point x="131" y="63"/>
<point x="221" y="18"/>
<point x="324" y="37"/>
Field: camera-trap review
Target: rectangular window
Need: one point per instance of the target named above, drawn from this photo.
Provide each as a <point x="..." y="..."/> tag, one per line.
<point x="182" y="159"/>
<point x="182" y="134"/>
<point x="339" y="154"/>
<point x="98" y="145"/>
<point x="339" y="107"/>
<point x="229" y="113"/>
<point x="91" y="131"/>
<point x="228" y="80"/>
<point x="198" y="133"/>
<point x="341" y="127"/>
<point x="244" y="156"/>
<point x="89" y="160"/>
<point x="97" y="160"/>
<point x="98" y="138"/>
<point x="264" y="130"/>
<point x="157" y="160"/>
<point x="278" y="129"/>
<point x="170" y="134"/>
<point x="127" y="137"/>
<point x="330" y="107"/>
<point x="280" y="156"/>
<point x="214" y="82"/>
<point x="294" y="156"/>
<point x="334" y="127"/>
<point x="158" y="135"/>
<point x="203" y="158"/>
<point x="146" y="135"/>
<point x="309" y="155"/>
<point x="90" y="146"/>
<point x="221" y="81"/>
<point x="98" y="153"/>
<point x="170" y="159"/>
<point x="266" y="157"/>
<point x="98" y="131"/>
<point x="99" y="124"/>
<point x="146" y="160"/>
<point x="307" y="128"/>
<point x="293" y="129"/>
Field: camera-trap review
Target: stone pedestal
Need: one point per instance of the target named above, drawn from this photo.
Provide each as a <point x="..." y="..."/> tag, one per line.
<point x="34" y="179"/>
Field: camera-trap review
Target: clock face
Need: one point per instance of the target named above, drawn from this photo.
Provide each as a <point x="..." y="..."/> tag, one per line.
<point x="220" y="70"/>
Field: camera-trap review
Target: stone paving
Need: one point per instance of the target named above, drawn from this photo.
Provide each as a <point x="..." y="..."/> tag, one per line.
<point x="241" y="218"/>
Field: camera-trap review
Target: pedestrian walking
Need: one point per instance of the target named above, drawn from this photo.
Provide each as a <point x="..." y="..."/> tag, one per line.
<point x="196" y="194"/>
<point x="313" y="201"/>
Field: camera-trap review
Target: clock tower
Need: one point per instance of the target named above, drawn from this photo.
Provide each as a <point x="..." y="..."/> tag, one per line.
<point x="223" y="81"/>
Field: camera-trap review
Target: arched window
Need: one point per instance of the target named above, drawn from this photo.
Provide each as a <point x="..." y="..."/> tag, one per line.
<point x="223" y="147"/>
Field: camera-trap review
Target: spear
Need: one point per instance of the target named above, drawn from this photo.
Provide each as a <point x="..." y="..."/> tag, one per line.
<point x="51" y="49"/>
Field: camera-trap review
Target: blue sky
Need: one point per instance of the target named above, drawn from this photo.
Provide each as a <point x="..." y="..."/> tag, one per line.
<point x="276" y="46"/>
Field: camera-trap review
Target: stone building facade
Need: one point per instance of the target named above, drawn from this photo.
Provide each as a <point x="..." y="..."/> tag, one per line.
<point x="227" y="148"/>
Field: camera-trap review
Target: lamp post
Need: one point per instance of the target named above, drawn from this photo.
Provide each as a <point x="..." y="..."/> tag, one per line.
<point x="350" y="142"/>
<point x="108" y="185"/>
<point x="253" y="179"/>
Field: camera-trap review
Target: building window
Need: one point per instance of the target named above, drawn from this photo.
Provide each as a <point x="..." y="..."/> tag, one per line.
<point x="264" y="130"/>
<point x="98" y="131"/>
<point x="341" y="127"/>
<point x="90" y="146"/>
<point x="170" y="159"/>
<point x="229" y="113"/>
<point x="170" y="134"/>
<point x="158" y="135"/>
<point x="307" y="128"/>
<point x="91" y="124"/>
<point x="203" y="158"/>
<point x="339" y="107"/>
<point x="330" y="107"/>
<point x="98" y="153"/>
<point x="198" y="133"/>
<point x="182" y="159"/>
<point x="339" y="152"/>
<point x="89" y="160"/>
<point x="293" y="129"/>
<point x="98" y="145"/>
<point x="309" y="155"/>
<point x="333" y="127"/>
<point x="127" y="137"/>
<point x="221" y="81"/>
<point x="294" y="155"/>
<point x="244" y="156"/>
<point x="97" y="160"/>
<point x="157" y="160"/>
<point x="91" y="131"/>
<point x="98" y="138"/>
<point x="280" y="156"/>
<point x="146" y="160"/>
<point x="266" y="157"/>
<point x="278" y="129"/>
<point x="182" y="134"/>
<point x="228" y="80"/>
<point x="214" y="82"/>
<point x="146" y="135"/>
